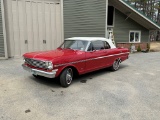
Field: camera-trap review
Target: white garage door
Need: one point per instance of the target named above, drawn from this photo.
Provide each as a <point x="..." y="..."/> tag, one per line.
<point x="34" y="25"/>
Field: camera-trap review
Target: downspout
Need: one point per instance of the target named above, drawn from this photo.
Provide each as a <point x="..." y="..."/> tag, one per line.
<point x="62" y="19"/>
<point x="106" y="30"/>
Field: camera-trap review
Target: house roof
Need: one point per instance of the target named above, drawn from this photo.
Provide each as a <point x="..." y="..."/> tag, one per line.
<point x="134" y="14"/>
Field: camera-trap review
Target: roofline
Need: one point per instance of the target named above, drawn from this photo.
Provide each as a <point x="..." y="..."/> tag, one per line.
<point x="140" y="14"/>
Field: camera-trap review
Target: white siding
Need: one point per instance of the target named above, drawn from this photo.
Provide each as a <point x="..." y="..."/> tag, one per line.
<point x="33" y="25"/>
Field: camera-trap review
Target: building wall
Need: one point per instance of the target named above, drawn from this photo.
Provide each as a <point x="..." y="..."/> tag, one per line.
<point x="33" y="25"/>
<point x="84" y="18"/>
<point x="2" y="49"/>
<point x="122" y="28"/>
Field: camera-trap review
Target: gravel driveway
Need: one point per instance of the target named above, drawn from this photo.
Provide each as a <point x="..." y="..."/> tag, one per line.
<point x="131" y="93"/>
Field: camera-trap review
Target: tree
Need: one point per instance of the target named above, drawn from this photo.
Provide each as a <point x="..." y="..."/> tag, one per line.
<point x="150" y="8"/>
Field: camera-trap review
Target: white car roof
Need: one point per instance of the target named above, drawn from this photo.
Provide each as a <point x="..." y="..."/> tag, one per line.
<point x="87" y="38"/>
<point x="93" y="39"/>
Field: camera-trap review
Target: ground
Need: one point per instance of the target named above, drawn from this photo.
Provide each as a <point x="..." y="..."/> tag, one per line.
<point x="131" y="93"/>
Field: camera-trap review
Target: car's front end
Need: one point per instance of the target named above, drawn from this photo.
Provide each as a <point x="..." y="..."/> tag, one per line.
<point x="39" y="67"/>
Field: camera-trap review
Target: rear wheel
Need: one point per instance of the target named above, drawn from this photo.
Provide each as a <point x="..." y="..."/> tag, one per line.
<point x="115" y="65"/>
<point x="66" y="77"/>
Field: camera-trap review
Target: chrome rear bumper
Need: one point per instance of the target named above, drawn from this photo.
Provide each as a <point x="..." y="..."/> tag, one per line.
<point x="40" y="72"/>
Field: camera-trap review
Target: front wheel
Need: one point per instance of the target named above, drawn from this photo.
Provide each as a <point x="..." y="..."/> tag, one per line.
<point x="115" y="65"/>
<point x="66" y="77"/>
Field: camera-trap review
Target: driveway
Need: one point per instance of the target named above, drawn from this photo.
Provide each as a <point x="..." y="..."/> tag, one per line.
<point x="131" y="93"/>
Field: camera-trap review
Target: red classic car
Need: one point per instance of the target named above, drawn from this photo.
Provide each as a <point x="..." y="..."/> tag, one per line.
<point x="77" y="55"/>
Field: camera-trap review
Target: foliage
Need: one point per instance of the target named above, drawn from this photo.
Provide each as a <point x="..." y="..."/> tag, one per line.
<point x="139" y="48"/>
<point x="150" y="8"/>
<point x="148" y="46"/>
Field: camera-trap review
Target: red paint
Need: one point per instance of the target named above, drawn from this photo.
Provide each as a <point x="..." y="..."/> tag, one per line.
<point x="83" y="61"/>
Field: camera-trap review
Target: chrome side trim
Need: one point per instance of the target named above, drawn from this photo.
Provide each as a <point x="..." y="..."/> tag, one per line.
<point x="90" y="59"/>
<point x="40" y="72"/>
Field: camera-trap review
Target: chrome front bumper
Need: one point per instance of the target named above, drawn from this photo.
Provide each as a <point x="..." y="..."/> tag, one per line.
<point x="40" y="72"/>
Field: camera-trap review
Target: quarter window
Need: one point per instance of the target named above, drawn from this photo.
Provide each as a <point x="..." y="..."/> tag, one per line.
<point x="134" y="36"/>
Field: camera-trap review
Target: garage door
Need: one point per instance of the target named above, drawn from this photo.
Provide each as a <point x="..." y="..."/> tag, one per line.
<point x="35" y="25"/>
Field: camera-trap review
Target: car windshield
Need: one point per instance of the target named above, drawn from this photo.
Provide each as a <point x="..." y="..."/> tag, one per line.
<point x="74" y="44"/>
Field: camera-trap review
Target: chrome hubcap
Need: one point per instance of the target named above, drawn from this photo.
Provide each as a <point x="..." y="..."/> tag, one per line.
<point x="116" y="65"/>
<point x="69" y="76"/>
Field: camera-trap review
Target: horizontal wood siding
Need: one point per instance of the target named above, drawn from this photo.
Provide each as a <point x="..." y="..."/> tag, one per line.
<point x="2" y="49"/>
<point x="122" y="28"/>
<point x="84" y="18"/>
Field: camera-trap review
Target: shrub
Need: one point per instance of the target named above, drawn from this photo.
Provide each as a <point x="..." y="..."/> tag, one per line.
<point x="139" y="48"/>
<point x="148" y="47"/>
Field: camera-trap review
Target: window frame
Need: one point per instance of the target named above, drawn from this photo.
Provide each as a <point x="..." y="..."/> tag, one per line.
<point x="135" y="31"/>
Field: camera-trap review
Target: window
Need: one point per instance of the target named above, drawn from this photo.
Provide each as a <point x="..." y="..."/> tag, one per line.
<point x="134" y="36"/>
<point x="74" y="44"/>
<point x="110" y="16"/>
<point x="90" y="48"/>
<point x="98" y="45"/>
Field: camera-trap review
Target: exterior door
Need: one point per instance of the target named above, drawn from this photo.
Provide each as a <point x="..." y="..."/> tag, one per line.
<point x="33" y="25"/>
<point x="95" y="56"/>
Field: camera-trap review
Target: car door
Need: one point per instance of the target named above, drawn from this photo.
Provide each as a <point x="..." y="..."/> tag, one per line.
<point x="95" y="55"/>
<point x="109" y="54"/>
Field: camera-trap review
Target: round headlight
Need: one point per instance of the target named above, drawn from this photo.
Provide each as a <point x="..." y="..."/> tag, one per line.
<point x="49" y="65"/>
<point x="24" y="59"/>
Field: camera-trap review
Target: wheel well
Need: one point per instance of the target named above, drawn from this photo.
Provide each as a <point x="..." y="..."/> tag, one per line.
<point x="75" y="71"/>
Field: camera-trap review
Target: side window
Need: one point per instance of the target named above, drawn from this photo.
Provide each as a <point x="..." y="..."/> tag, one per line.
<point x="106" y="45"/>
<point x="98" y="45"/>
<point x="90" y="48"/>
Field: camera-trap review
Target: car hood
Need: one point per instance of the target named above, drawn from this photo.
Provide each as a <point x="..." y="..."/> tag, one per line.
<point x="50" y="55"/>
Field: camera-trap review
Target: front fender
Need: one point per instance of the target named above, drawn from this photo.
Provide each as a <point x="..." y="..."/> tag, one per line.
<point x="61" y="68"/>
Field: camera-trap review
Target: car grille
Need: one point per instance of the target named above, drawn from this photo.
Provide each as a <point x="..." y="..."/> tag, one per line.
<point x="36" y="63"/>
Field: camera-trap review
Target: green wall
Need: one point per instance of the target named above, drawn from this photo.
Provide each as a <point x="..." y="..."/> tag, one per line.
<point x="122" y="28"/>
<point x="84" y="18"/>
